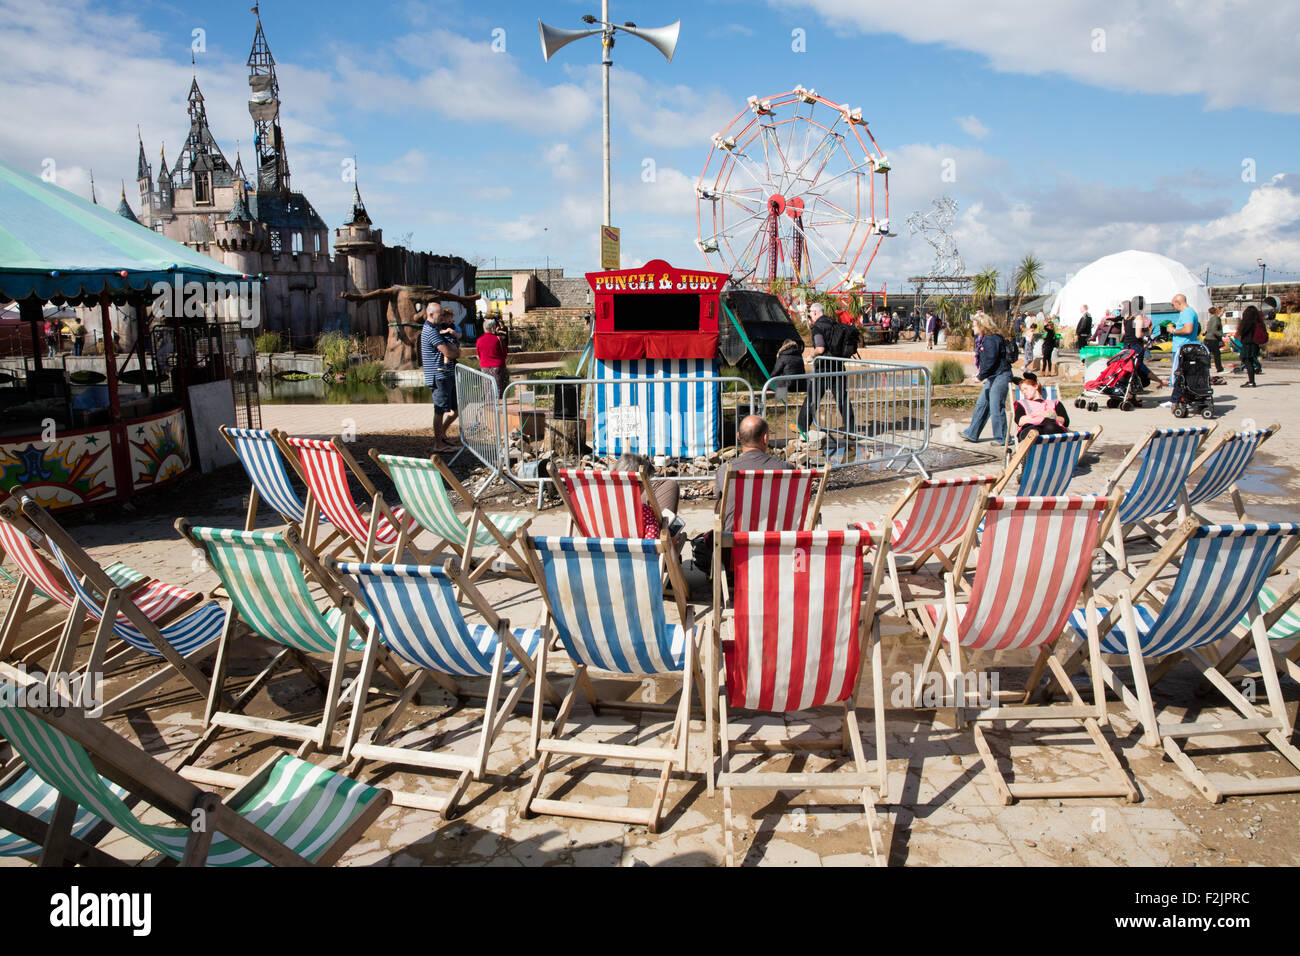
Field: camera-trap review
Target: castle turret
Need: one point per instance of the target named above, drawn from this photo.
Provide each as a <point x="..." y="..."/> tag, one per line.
<point x="164" y="184"/>
<point x="359" y="242"/>
<point x="124" y="208"/>
<point x="144" y="179"/>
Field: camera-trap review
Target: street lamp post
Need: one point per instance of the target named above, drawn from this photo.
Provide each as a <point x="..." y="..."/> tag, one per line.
<point x="1263" y="288"/>
<point x="663" y="39"/>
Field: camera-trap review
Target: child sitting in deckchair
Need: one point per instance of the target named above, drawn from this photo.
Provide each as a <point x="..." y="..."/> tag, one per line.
<point x="1033" y="411"/>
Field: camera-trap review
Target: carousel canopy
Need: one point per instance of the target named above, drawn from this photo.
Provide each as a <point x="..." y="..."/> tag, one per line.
<point x="55" y="245"/>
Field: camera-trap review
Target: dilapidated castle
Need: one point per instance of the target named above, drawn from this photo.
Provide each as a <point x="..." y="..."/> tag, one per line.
<point x="261" y="226"/>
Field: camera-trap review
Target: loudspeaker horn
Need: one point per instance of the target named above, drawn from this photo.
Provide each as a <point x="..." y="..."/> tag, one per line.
<point x="663" y="39"/>
<point x="553" y="38"/>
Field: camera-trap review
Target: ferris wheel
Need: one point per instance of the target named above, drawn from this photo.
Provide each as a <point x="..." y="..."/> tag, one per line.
<point x="794" y="188"/>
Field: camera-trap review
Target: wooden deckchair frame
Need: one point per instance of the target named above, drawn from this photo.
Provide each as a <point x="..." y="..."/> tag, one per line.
<point x="1185" y="510"/>
<point x="33" y="649"/>
<point x="479" y="517"/>
<point x="849" y="742"/>
<point x="1025" y="446"/>
<point x="364" y="550"/>
<point x="496" y="711"/>
<point x="116" y="600"/>
<point x="885" y="549"/>
<point x="574" y="530"/>
<point x="313" y="737"/>
<point x="311" y="510"/>
<point x="147" y="778"/>
<point x="1144" y="528"/>
<point x="1275" y="727"/>
<point x="814" y="508"/>
<point x="668" y="759"/>
<point x="1091" y="717"/>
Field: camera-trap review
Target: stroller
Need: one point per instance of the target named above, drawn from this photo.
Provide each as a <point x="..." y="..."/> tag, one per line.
<point x="1192" y="381"/>
<point x="1117" y="385"/>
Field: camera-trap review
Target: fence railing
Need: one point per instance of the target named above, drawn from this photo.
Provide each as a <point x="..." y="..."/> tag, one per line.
<point x="851" y="412"/>
<point x="846" y="412"/>
<point x="482" y="427"/>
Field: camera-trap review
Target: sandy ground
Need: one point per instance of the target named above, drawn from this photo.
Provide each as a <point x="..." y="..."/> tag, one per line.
<point x="942" y="809"/>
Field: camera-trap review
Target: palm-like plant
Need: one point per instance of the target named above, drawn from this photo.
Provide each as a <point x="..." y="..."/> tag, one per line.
<point x="986" y="287"/>
<point x="1028" y="276"/>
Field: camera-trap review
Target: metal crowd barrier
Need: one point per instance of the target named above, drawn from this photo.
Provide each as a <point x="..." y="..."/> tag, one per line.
<point x="482" y="426"/>
<point x="851" y="411"/>
<point x="845" y="412"/>
<point x="558" y="418"/>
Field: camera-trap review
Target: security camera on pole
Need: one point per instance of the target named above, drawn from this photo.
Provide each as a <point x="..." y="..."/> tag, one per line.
<point x="663" y="39"/>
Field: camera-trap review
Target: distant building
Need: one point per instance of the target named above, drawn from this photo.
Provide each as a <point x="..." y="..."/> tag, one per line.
<point x="260" y="226"/>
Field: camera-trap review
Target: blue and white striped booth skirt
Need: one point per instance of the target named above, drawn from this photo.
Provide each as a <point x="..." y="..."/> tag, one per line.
<point x="658" y="407"/>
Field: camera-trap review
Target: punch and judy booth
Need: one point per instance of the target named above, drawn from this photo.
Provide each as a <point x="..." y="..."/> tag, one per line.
<point x="655" y="346"/>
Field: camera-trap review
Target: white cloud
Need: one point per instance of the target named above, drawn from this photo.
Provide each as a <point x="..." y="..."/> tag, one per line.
<point x="972" y="126"/>
<point x="1230" y="52"/>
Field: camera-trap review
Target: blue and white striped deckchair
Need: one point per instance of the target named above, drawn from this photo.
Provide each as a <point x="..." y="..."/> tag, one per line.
<point x="260" y="455"/>
<point x="1165" y="459"/>
<point x="1222" y="466"/>
<point x="266" y="574"/>
<point x="605" y="601"/>
<point x="422" y="487"/>
<point x="414" y="614"/>
<point x="1221" y="572"/>
<point x="657" y="407"/>
<point x="1047" y="463"/>
<point x="288" y="813"/>
<point x="181" y="643"/>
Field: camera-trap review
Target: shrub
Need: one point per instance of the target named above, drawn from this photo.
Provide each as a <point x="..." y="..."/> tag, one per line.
<point x="335" y="347"/>
<point x="1290" y="344"/>
<point x="947" y="372"/>
<point x="269" y="342"/>
<point x="370" y="372"/>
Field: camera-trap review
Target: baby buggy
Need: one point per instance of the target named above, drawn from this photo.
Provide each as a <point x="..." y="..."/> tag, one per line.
<point x="1117" y="385"/>
<point x="1192" y="382"/>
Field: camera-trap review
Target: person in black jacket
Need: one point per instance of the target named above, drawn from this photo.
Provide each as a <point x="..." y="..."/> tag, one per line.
<point x="1083" y="331"/>
<point x="995" y="372"/>
<point x="1251" y="320"/>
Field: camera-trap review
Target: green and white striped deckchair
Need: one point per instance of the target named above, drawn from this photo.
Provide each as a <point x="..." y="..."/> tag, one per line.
<point x="289" y="813"/>
<point x="266" y="574"/>
<point x="27" y="805"/>
<point x="422" y="485"/>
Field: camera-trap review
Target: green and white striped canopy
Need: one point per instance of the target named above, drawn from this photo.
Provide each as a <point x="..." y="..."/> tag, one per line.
<point x="56" y="245"/>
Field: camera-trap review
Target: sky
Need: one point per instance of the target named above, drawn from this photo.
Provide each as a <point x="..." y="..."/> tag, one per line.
<point x="1070" y="130"/>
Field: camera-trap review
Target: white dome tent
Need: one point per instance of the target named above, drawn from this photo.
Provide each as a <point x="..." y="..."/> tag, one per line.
<point x="1107" y="282"/>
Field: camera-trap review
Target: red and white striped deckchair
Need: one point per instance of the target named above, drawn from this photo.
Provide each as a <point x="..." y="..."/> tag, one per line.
<point x="773" y="500"/>
<point x="324" y="465"/>
<point x="605" y="504"/>
<point x="1034" y="568"/>
<point x="796" y="644"/>
<point x="940" y="516"/>
<point x="41" y="586"/>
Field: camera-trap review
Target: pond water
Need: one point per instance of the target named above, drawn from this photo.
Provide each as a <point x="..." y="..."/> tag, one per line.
<point x="316" y="391"/>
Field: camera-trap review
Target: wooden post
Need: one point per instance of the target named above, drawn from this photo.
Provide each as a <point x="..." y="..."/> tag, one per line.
<point x="117" y="431"/>
<point x="33" y="314"/>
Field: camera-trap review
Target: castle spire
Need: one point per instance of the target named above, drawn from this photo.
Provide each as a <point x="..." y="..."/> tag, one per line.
<point x="124" y="208"/>
<point x="142" y="172"/>
<point x="264" y="108"/>
<point x="358" y="216"/>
